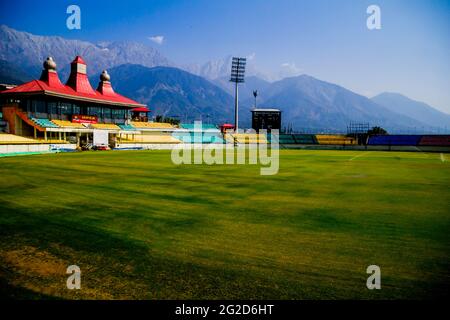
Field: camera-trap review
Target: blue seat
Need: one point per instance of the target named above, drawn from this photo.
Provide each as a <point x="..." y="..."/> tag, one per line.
<point x="44" y="123"/>
<point x="394" y="140"/>
<point x="199" y="137"/>
<point x="127" y="127"/>
<point x="191" y="126"/>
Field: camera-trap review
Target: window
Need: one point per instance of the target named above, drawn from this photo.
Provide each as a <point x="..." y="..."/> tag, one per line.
<point x="107" y="113"/>
<point x="24" y="105"/>
<point x="52" y="108"/>
<point x="66" y="108"/>
<point x="38" y="106"/>
<point x="94" y="111"/>
<point x="76" y="109"/>
<point x="118" y="113"/>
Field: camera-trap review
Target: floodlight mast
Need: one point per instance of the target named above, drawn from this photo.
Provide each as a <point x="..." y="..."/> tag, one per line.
<point x="237" y="76"/>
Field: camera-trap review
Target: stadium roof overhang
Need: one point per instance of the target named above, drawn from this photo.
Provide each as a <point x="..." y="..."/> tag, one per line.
<point x="68" y="96"/>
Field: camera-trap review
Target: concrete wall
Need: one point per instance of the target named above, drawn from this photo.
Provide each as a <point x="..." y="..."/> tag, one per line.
<point x="147" y="146"/>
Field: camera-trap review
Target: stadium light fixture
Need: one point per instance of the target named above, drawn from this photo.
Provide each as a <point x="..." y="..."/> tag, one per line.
<point x="237" y="76"/>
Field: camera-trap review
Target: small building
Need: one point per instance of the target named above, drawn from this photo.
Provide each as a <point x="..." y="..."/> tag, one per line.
<point x="268" y="119"/>
<point x="225" y="127"/>
<point x="140" y="114"/>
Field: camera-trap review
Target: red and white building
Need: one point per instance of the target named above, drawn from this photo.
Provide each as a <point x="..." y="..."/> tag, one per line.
<point x="48" y="109"/>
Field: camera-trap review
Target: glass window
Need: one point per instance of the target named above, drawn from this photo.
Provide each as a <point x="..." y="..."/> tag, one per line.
<point x="76" y="109"/>
<point x="107" y="113"/>
<point x="38" y="106"/>
<point x="94" y="111"/>
<point x="66" y="108"/>
<point x="52" y="107"/>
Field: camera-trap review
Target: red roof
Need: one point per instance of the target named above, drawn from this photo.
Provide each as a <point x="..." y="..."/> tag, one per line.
<point x="77" y="88"/>
<point x="227" y="125"/>
<point x="79" y="59"/>
<point x="141" y="109"/>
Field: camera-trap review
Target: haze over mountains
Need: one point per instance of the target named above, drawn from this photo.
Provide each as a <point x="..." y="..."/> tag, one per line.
<point x="414" y="109"/>
<point x="144" y="74"/>
<point x="29" y="51"/>
<point x="12" y="74"/>
<point x="220" y="68"/>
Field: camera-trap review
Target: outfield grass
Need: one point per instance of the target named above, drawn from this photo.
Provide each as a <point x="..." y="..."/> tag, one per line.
<point x="140" y="227"/>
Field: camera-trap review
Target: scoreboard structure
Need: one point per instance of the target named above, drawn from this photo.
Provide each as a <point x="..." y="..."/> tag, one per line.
<point x="268" y="119"/>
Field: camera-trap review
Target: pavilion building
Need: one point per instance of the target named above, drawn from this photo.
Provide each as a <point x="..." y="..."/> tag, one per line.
<point x="48" y="109"/>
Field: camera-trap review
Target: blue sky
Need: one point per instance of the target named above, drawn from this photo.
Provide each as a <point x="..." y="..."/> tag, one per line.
<point x="326" y="39"/>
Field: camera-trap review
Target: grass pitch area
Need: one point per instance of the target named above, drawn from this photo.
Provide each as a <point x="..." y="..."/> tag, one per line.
<point x="140" y="227"/>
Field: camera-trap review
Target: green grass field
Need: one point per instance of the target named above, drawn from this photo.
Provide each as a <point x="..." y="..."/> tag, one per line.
<point x="140" y="227"/>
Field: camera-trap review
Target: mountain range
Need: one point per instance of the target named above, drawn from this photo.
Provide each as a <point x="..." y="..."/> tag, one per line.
<point x="12" y="74"/>
<point x="173" y="92"/>
<point x="204" y="92"/>
<point x="414" y="109"/>
<point x="29" y="51"/>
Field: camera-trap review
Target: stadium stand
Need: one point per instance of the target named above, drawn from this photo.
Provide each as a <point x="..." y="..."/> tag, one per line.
<point x="6" y="138"/>
<point x="394" y="140"/>
<point x="127" y="127"/>
<point x="204" y="137"/>
<point x="107" y="126"/>
<point x="284" y="139"/>
<point x="305" y="138"/>
<point x="159" y="137"/>
<point x="295" y="138"/>
<point x="44" y="123"/>
<point x="246" y="138"/>
<point x="191" y="126"/>
<point x="331" y="139"/>
<point x="443" y="141"/>
<point x="68" y="124"/>
<point x="152" y="125"/>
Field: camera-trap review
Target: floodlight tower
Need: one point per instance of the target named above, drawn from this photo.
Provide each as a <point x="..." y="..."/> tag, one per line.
<point x="237" y="76"/>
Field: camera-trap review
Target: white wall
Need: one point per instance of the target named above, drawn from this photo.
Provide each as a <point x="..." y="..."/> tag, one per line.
<point x="14" y="148"/>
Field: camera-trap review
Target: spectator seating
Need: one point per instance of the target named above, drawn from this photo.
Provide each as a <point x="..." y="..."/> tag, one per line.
<point x="6" y="138"/>
<point x="394" y="140"/>
<point x="305" y="138"/>
<point x="159" y="137"/>
<point x="200" y="137"/>
<point x="191" y="126"/>
<point x="331" y="139"/>
<point x="294" y="138"/>
<point x="152" y="125"/>
<point x="284" y="139"/>
<point x="435" y="140"/>
<point x="107" y="126"/>
<point x="246" y="138"/>
<point x="68" y="124"/>
<point x="127" y="127"/>
<point x="44" y="123"/>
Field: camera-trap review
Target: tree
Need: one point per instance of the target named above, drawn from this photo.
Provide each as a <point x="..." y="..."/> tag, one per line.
<point x="377" y="130"/>
<point x="160" y="118"/>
